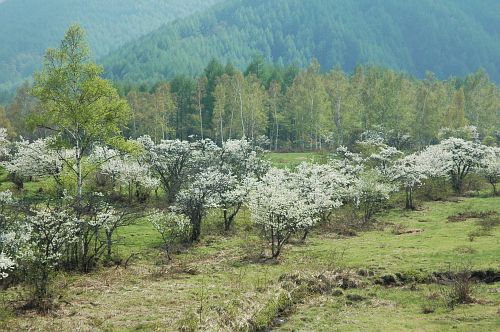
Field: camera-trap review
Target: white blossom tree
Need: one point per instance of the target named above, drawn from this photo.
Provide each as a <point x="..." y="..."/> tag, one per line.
<point x="229" y="194"/>
<point x="4" y="143"/>
<point x="36" y="159"/>
<point x="124" y="170"/>
<point x="239" y="161"/>
<point x="410" y="172"/>
<point x="323" y="187"/>
<point x="14" y="233"/>
<point x="491" y="168"/>
<point x="171" y="161"/>
<point x="243" y="158"/>
<point x="6" y="202"/>
<point x="349" y="163"/>
<point x="455" y="158"/>
<point x="279" y="207"/>
<point x="369" y="192"/>
<point x="385" y="157"/>
<point x="200" y="195"/>
<point x="51" y="231"/>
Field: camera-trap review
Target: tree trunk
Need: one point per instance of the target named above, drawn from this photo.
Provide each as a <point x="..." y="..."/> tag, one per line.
<point x="109" y="244"/>
<point x="409" y="199"/>
<point x="277" y="129"/>
<point x="172" y="191"/>
<point x="493" y="186"/>
<point x="79" y="184"/>
<point x="196" y="224"/>
<point x="304" y="236"/>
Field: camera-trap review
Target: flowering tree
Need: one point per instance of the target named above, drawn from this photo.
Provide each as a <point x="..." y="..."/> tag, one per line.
<point x="124" y="170"/>
<point x="6" y="203"/>
<point x="107" y="220"/>
<point x="469" y="133"/>
<point x="491" y="168"/>
<point x="171" y="161"/>
<point x="385" y="157"/>
<point x="8" y="236"/>
<point x="455" y="158"/>
<point x="377" y="153"/>
<point x="198" y="197"/>
<point x="229" y="195"/>
<point x="6" y="265"/>
<point x="13" y="232"/>
<point x="323" y="187"/>
<point x="51" y="231"/>
<point x="36" y="159"/>
<point x="409" y="172"/>
<point x="95" y="231"/>
<point x="171" y="226"/>
<point x="4" y="143"/>
<point x="278" y="206"/>
<point x="369" y="192"/>
<point x="239" y="161"/>
<point x="347" y="162"/>
<point x="243" y="158"/>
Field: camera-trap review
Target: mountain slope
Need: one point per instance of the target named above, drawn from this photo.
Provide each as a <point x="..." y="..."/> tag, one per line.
<point x="448" y="37"/>
<point x="28" y="27"/>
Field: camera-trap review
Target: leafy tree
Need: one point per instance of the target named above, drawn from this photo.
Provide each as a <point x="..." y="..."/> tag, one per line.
<point x="456" y="113"/>
<point x="76" y="103"/>
<point x="308" y="101"/>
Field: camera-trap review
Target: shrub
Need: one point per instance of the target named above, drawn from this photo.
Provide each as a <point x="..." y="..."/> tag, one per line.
<point x="172" y="228"/>
<point x="461" y="289"/>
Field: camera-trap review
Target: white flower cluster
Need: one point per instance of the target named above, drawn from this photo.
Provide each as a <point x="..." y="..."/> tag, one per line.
<point x="4" y="143"/>
<point x="491" y="167"/>
<point x="122" y="168"/>
<point x="6" y="265"/>
<point x="6" y="197"/>
<point x="322" y="186"/>
<point x="50" y="231"/>
<point x="277" y="203"/>
<point x="410" y="171"/>
<point x="370" y="187"/>
<point x="35" y="158"/>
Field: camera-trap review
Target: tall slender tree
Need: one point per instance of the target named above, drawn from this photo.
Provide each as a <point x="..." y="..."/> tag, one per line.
<point x="76" y="103"/>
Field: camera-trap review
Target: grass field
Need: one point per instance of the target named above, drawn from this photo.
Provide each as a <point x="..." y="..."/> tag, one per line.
<point x="222" y="285"/>
<point x="292" y="159"/>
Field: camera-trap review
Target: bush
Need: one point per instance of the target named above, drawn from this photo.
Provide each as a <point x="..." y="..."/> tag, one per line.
<point x="461" y="289"/>
<point x="172" y="227"/>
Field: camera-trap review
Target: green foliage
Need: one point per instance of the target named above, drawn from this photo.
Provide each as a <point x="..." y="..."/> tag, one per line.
<point x="310" y="110"/>
<point x="75" y="100"/>
<point x="28" y="27"/>
<point x="77" y="105"/>
<point x="447" y="37"/>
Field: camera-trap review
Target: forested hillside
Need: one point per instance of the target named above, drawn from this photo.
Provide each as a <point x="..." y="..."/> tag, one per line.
<point x="28" y="27"/>
<point x="448" y="37"/>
